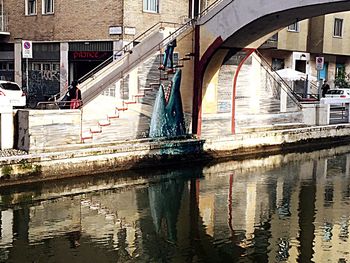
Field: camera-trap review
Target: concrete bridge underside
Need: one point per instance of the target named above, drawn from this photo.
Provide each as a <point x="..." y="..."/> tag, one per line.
<point x="241" y="23"/>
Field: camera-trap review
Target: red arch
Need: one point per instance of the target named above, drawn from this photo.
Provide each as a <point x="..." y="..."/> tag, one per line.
<point x="199" y="69"/>
<point x="249" y="51"/>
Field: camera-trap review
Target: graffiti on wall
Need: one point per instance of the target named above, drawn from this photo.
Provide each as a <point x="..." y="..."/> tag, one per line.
<point x="42" y="84"/>
<point x="45" y="82"/>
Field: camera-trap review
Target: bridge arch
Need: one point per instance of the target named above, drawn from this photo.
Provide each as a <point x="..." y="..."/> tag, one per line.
<point x="241" y="23"/>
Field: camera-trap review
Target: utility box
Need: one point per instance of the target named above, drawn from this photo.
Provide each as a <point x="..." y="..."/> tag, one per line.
<point x="6" y="127"/>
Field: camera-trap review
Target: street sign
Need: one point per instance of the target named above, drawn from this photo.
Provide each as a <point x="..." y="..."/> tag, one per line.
<point x="27" y="50"/>
<point x="319" y="63"/>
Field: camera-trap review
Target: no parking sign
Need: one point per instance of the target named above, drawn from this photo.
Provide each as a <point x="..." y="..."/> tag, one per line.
<point x="27" y="51"/>
<point x="319" y="63"/>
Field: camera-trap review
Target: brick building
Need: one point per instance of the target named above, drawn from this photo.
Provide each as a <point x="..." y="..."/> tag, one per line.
<point x="69" y="38"/>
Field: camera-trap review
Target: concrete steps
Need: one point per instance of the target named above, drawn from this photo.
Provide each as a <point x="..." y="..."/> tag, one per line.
<point x="220" y="124"/>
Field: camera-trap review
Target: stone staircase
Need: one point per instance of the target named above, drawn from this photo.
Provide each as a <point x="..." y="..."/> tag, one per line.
<point x="131" y="118"/>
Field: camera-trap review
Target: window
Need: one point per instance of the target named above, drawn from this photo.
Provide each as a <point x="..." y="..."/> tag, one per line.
<point x="30" y="7"/>
<point x="46" y="66"/>
<point x="340" y="70"/>
<point x="151" y="6"/>
<point x="338" y="27"/>
<point x="36" y="66"/>
<point x="48" y="6"/>
<point x="277" y="63"/>
<point x="293" y="27"/>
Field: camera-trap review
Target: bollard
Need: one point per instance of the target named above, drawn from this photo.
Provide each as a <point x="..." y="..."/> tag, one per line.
<point x="6" y="127"/>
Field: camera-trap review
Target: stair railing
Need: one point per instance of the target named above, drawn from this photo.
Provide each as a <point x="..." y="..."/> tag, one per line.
<point x="284" y="85"/>
<point x="139" y="38"/>
<point x="129" y="46"/>
<point x="148" y="53"/>
<point x="126" y="48"/>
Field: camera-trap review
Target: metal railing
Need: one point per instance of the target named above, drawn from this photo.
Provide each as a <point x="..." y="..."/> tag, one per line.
<point x="143" y="35"/>
<point x="289" y="91"/>
<point x="210" y="7"/>
<point x="55" y="105"/>
<point x="124" y="50"/>
<point x="128" y="47"/>
<point x="146" y="54"/>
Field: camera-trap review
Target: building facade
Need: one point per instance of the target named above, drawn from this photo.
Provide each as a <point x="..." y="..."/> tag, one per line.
<point x="298" y="45"/>
<point x="70" y="38"/>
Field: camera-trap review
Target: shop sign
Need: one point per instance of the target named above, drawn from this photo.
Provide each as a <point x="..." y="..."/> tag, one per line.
<point x="88" y="55"/>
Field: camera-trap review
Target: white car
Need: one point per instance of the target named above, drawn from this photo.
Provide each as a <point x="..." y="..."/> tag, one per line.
<point x="11" y="94"/>
<point x="338" y="93"/>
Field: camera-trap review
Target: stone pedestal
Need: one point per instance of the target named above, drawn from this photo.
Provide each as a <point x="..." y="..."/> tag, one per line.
<point x="6" y="127"/>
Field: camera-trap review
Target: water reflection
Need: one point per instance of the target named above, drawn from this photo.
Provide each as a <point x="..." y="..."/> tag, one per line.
<point x="284" y="208"/>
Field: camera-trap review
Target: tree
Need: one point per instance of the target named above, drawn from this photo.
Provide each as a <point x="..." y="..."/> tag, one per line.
<point x="342" y="80"/>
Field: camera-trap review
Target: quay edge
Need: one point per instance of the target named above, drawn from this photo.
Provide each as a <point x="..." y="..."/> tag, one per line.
<point x="138" y="154"/>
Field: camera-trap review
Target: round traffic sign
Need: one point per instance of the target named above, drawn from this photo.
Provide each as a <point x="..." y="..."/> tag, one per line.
<point x="26" y="45"/>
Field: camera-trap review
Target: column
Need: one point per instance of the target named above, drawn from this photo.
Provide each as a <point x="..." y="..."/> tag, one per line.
<point x="63" y="66"/>
<point x="6" y="127"/>
<point x="18" y="61"/>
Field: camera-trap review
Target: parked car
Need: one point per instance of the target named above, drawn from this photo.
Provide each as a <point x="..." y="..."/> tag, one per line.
<point x="12" y="94"/>
<point x="338" y="93"/>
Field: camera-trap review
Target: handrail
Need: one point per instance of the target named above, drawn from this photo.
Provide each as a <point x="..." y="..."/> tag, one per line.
<point x="128" y="46"/>
<point x="125" y="48"/>
<point x="60" y="104"/>
<point x="216" y="3"/>
<point x="291" y="93"/>
<point x="211" y="6"/>
<point x="162" y="43"/>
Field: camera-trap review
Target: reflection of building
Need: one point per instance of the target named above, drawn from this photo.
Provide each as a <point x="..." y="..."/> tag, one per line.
<point x="6" y="227"/>
<point x="272" y="209"/>
<point x="297" y="211"/>
<point x="109" y="219"/>
<point x="331" y="219"/>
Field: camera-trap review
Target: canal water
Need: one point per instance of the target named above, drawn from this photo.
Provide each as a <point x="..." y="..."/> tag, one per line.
<point x="280" y="208"/>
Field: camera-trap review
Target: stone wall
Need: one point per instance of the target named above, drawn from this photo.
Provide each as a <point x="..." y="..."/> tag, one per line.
<point x="39" y="130"/>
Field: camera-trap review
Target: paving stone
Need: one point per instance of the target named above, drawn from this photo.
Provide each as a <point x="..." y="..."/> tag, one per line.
<point x="11" y="152"/>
